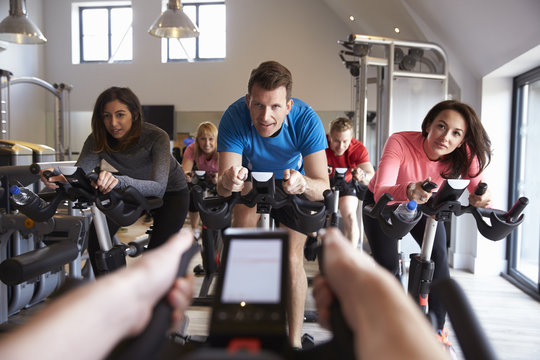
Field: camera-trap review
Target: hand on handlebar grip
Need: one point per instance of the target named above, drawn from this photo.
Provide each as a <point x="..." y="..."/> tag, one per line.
<point x="233" y="178"/>
<point x="293" y="182"/>
<point x="52" y="178"/>
<point x="481" y="197"/>
<point x="421" y="191"/>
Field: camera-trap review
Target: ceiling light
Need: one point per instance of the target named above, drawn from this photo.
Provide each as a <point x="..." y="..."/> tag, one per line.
<point x="351" y="18"/>
<point x="18" y="28"/>
<point x="396" y="30"/>
<point x="173" y="23"/>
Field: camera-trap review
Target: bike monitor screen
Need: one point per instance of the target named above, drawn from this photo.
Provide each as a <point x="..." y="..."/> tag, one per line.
<point x="254" y="272"/>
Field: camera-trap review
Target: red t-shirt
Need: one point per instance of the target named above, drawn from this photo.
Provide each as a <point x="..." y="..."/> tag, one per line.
<point x="355" y="155"/>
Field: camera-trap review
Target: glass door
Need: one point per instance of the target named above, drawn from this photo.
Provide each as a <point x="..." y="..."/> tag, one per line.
<point x="525" y="181"/>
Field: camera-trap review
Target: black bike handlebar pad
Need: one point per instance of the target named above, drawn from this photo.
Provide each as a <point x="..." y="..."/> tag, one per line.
<point x="123" y="207"/>
<point x="446" y="202"/>
<point x="126" y="206"/>
<point x="469" y="332"/>
<point x="21" y="268"/>
<point x="147" y="344"/>
<point x="501" y="223"/>
<point x="216" y="212"/>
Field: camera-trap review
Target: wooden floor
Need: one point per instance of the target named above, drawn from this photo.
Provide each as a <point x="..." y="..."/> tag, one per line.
<point x="510" y="318"/>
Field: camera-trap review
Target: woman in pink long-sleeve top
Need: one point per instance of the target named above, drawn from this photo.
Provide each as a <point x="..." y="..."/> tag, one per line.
<point x="452" y="144"/>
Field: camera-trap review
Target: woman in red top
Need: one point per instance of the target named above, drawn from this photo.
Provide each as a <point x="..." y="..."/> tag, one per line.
<point x="344" y="151"/>
<point x="453" y="144"/>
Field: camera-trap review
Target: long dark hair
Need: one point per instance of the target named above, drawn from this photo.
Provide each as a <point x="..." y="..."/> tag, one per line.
<point x="476" y="142"/>
<point x="103" y="141"/>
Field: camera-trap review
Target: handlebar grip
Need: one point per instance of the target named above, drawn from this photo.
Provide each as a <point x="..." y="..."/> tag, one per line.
<point x="481" y="189"/>
<point x="429" y="186"/>
<point x="48" y="173"/>
<point x="513" y="214"/>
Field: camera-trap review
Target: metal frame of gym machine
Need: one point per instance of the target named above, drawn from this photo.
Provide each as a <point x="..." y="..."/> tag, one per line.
<point x="391" y="59"/>
<point x="61" y="103"/>
<point x="361" y="47"/>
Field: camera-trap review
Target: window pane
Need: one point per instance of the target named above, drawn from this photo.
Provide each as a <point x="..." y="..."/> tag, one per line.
<point x="211" y="43"/>
<point x="95" y="42"/>
<point x="212" y="27"/>
<point x="184" y="48"/>
<point x="121" y="34"/>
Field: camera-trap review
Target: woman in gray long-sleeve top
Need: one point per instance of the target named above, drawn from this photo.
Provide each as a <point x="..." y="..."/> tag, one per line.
<point x="140" y="155"/>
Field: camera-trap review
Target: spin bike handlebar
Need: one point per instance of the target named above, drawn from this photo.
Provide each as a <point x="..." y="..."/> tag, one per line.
<point x="203" y="179"/>
<point x="216" y="212"/>
<point x="339" y="183"/>
<point x="123" y="207"/>
<point x="441" y="206"/>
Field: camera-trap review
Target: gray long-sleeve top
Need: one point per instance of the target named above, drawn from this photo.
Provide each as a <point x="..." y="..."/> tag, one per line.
<point x="148" y="166"/>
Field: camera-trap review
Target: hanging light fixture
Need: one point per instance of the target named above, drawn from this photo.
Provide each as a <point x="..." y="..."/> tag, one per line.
<point x="18" y="28"/>
<point x="173" y="23"/>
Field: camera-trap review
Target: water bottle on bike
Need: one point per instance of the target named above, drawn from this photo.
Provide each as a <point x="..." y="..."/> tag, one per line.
<point x="406" y="211"/>
<point x="23" y="196"/>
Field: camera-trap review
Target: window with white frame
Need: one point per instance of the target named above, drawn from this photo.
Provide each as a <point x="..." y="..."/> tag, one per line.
<point x="209" y="16"/>
<point x="104" y="32"/>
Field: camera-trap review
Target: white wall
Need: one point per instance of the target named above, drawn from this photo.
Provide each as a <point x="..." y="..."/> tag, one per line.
<point x="302" y="34"/>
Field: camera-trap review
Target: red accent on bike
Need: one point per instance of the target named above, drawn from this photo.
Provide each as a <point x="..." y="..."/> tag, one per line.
<point x="251" y="345"/>
<point x="423" y="301"/>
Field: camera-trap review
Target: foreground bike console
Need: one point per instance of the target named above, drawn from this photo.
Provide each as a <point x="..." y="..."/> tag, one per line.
<point x="247" y="321"/>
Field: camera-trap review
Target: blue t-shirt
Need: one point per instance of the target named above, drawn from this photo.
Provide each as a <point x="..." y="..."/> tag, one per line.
<point x="302" y="133"/>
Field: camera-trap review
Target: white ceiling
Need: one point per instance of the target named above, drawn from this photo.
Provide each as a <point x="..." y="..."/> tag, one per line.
<point x="483" y="34"/>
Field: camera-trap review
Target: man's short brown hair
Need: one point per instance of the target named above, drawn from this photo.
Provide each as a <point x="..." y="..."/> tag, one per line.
<point x="270" y="75"/>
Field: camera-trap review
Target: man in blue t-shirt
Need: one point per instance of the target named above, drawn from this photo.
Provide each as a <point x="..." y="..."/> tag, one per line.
<point x="269" y="131"/>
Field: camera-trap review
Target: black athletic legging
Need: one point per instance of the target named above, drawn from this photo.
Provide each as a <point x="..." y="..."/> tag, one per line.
<point x="384" y="251"/>
<point x="168" y="219"/>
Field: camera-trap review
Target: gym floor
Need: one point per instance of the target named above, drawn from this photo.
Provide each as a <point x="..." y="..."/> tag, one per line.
<point x="509" y="317"/>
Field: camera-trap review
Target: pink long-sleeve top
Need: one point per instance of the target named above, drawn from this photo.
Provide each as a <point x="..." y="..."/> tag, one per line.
<point x="404" y="161"/>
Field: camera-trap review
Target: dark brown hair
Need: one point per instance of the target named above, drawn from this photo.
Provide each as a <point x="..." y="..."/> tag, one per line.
<point x="476" y="142"/>
<point x="270" y="75"/>
<point x="103" y="141"/>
